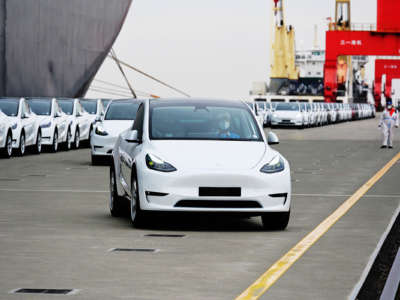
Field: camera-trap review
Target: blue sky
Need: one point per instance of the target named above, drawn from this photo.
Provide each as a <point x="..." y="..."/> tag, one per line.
<point x="212" y="48"/>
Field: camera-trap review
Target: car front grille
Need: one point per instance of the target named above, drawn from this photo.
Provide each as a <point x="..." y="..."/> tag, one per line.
<point x="217" y="204"/>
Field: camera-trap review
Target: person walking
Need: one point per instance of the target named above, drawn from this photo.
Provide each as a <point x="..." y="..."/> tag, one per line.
<point x="389" y="120"/>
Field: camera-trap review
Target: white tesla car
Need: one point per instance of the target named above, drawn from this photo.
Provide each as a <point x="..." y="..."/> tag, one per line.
<point x="119" y="116"/>
<point x="6" y="137"/>
<point x="53" y="122"/>
<point x="79" y="120"/>
<point x="94" y="107"/>
<point x="25" y="130"/>
<point x="199" y="156"/>
<point x="287" y="114"/>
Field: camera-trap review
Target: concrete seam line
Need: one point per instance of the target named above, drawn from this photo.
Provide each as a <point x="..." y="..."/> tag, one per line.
<point x="266" y="280"/>
<point x="373" y="256"/>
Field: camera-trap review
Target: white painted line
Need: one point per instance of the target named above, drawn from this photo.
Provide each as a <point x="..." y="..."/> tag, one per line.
<point x="392" y="282"/>
<point x="373" y="256"/>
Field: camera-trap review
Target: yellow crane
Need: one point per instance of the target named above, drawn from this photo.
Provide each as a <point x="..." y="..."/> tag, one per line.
<point x="283" y="67"/>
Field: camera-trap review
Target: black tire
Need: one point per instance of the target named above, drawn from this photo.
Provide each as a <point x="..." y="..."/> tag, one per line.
<point x="275" y="220"/>
<point x="68" y="141"/>
<point x="135" y="212"/>
<point x="38" y="145"/>
<point x="54" y="146"/>
<point x="22" y="145"/>
<point x="77" y="139"/>
<point x="96" y="160"/>
<point x="116" y="203"/>
<point x="7" y="151"/>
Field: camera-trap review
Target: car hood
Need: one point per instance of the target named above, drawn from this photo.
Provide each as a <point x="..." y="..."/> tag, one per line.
<point x="210" y="155"/>
<point x="114" y="127"/>
<point x="286" y="114"/>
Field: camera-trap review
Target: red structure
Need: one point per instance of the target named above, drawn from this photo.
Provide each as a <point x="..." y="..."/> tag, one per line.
<point x="384" y="41"/>
<point x="390" y="68"/>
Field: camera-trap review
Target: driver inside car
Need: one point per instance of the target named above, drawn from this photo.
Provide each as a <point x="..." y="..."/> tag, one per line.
<point x="224" y="127"/>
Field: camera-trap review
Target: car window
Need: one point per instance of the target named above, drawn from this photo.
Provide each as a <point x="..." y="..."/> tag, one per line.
<point x="122" y="110"/>
<point x="40" y="107"/>
<point x="194" y="121"/>
<point x="90" y="106"/>
<point x="67" y="106"/>
<point x="283" y="106"/>
<point x="9" y="107"/>
<point x="138" y="124"/>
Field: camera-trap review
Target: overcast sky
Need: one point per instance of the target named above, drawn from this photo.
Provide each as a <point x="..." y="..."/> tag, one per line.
<point x="212" y="48"/>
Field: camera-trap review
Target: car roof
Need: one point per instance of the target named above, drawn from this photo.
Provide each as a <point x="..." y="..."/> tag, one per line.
<point x="196" y="101"/>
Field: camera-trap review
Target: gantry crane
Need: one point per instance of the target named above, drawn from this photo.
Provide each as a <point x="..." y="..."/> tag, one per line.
<point x="283" y="66"/>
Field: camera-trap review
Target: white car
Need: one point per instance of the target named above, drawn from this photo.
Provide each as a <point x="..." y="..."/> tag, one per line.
<point x="254" y="109"/>
<point x="26" y="130"/>
<point x="287" y="114"/>
<point x="199" y="156"/>
<point x="119" y="116"/>
<point x="79" y="121"/>
<point x="53" y="122"/>
<point x="94" y="107"/>
<point x="306" y="114"/>
<point x="6" y="137"/>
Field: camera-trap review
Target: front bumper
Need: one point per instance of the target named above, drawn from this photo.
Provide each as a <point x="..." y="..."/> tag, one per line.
<point x="102" y="145"/>
<point x="179" y="191"/>
<point x="286" y="122"/>
<point x="47" y="136"/>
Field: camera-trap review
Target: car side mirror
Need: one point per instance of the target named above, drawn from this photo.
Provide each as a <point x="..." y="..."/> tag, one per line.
<point x="272" y="138"/>
<point x="131" y="136"/>
<point x="98" y="119"/>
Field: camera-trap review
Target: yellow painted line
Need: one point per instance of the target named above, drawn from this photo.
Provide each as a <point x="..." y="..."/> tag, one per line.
<point x="266" y="280"/>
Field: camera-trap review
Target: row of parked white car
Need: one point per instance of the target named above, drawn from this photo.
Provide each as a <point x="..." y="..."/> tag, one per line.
<point x="305" y="114"/>
<point x="46" y="122"/>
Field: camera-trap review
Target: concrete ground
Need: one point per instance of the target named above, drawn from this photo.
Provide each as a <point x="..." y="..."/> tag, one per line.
<point x="56" y="231"/>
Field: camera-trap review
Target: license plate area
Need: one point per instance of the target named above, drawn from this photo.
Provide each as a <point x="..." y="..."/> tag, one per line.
<point x="220" y="191"/>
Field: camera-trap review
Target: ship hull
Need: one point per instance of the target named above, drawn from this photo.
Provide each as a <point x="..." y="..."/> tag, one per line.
<point x="54" y="48"/>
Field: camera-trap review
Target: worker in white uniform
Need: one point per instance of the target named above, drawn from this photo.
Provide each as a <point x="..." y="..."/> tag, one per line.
<point x="389" y="120"/>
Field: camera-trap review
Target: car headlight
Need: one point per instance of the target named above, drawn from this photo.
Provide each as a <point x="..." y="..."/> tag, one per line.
<point x="299" y="116"/>
<point x="274" y="166"/>
<point x="14" y="126"/>
<point x="274" y="115"/>
<point x="155" y="163"/>
<point x="45" y="125"/>
<point x="100" y="130"/>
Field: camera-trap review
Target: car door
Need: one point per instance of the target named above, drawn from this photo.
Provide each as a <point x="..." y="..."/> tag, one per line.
<point x="28" y="123"/>
<point x="61" y="121"/>
<point x="128" y="151"/>
<point x="82" y="120"/>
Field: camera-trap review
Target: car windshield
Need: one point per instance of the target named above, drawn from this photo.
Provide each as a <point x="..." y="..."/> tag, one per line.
<point x="122" y="110"/>
<point x="202" y="121"/>
<point x="261" y="105"/>
<point x="41" y="107"/>
<point x="9" y="107"/>
<point x="89" y="106"/>
<point x="268" y="105"/>
<point x="287" y="106"/>
<point x="66" y="106"/>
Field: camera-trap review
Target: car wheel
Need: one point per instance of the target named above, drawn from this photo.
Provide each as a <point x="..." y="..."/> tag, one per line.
<point x="21" y="149"/>
<point x="135" y="212"/>
<point x="68" y="142"/>
<point x="77" y="139"/>
<point x="275" y="220"/>
<point x="38" y="147"/>
<point x="7" y="151"/>
<point x="116" y="203"/>
<point x="54" y="146"/>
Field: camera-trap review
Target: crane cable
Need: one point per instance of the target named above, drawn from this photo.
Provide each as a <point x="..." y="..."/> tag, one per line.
<point x="121" y="88"/>
<point x="149" y="76"/>
<point x="114" y="56"/>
